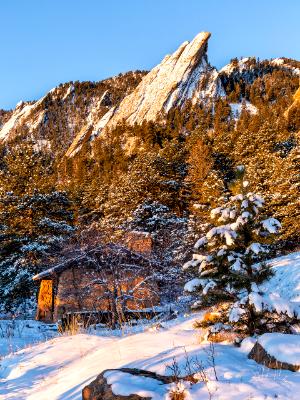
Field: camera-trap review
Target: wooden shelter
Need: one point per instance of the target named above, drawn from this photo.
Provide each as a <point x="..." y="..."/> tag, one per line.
<point x="108" y="278"/>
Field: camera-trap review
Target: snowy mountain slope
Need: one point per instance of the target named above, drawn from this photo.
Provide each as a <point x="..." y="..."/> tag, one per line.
<point x="285" y="63"/>
<point x="183" y="75"/>
<point x="59" y="368"/>
<point x="19" y="117"/>
<point x="75" y="113"/>
<point x="251" y="64"/>
<point x="248" y="69"/>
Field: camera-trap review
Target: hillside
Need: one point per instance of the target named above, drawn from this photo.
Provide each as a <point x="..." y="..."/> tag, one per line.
<point x="61" y="367"/>
<point x="150" y="152"/>
<point x="54" y="120"/>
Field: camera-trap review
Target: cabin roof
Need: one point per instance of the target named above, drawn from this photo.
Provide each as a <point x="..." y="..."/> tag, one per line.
<point x="104" y="254"/>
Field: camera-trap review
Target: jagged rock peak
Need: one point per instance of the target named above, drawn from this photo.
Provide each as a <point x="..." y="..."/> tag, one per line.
<point x="185" y="74"/>
<point x="169" y="84"/>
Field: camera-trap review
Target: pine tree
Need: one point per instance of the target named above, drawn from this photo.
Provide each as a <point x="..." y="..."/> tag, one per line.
<point x="24" y="169"/>
<point x="33" y="228"/>
<point x="228" y="265"/>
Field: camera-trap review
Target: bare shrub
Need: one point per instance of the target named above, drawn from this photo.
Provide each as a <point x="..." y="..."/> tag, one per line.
<point x="190" y="373"/>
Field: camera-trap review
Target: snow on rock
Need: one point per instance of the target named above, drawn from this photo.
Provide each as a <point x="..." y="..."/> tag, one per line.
<point x="125" y="384"/>
<point x="247" y="345"/>
<point x="169" y="84"/>
<point x="91" y="130"/>
<point x="283" y="347"/>
<point x="21" y="112"/>
<point x="30" y="115"/>
<point x="237" y="108"/>
<point x="277" y="351"/>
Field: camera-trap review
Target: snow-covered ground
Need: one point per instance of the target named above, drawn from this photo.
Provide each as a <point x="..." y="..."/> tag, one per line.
<point x="286" y="279"/>
<point x="60" y="367"/>
<point x="19" y="334"/>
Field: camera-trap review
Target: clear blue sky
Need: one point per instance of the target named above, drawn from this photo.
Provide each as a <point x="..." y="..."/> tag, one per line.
<point x="45" y="42"/>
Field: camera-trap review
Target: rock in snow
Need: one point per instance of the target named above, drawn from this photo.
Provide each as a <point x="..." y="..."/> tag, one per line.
<point x="124" y="383"/>
<point x="277" y="351"/>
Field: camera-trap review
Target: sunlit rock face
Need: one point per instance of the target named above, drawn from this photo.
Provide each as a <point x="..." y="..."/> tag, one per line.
<point x="177" y="78"/>
<point x="183" y="75"/>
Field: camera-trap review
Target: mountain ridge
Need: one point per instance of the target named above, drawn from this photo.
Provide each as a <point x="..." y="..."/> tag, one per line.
<point x="184" y="75"/>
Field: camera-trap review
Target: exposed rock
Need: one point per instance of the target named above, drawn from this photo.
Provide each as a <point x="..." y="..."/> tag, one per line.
<point x="293" y="112"/>
<point x="297" y="95"/>
<point x="175" y="79"/>
<point x="184" y="75"/>
<point x="68" y="110"/>
<point x="99" y="389"/>
<point x="259" y="354"/>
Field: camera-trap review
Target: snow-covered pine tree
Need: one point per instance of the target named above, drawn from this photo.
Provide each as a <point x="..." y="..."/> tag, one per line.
<point x="33" y="229"/>
<point x="228" y="264"/>
<point x="167" y="230"/>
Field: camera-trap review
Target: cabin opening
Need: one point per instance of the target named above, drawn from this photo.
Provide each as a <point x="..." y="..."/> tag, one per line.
<point x="45" y="301"/>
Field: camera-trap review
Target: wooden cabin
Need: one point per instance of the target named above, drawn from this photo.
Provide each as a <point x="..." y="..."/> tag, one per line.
<point x="107" y="278"/>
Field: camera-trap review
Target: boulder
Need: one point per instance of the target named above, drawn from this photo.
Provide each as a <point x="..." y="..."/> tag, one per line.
<point x="99" y="389"/>
<point x="260" y="355"/>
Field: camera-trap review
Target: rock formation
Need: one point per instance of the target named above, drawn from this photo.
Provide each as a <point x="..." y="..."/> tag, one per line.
<point x="56" y="119"/>
<point x="74" y="113"/>
<point x="184" y="75"/>
<point x="293" y="112"/>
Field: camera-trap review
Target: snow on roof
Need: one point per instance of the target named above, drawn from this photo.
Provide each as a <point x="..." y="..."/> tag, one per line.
<point x="84" y="257"/>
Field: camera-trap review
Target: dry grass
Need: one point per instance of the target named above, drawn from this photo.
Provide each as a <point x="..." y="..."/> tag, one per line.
<point x="71" y="327"/>
<point x="178" y="392"/>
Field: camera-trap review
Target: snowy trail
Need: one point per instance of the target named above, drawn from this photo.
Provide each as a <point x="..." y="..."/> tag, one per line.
<point x="63" y="366"/>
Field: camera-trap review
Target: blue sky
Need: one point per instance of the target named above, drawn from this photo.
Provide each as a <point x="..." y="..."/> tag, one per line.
<point x="45" y="42"/>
